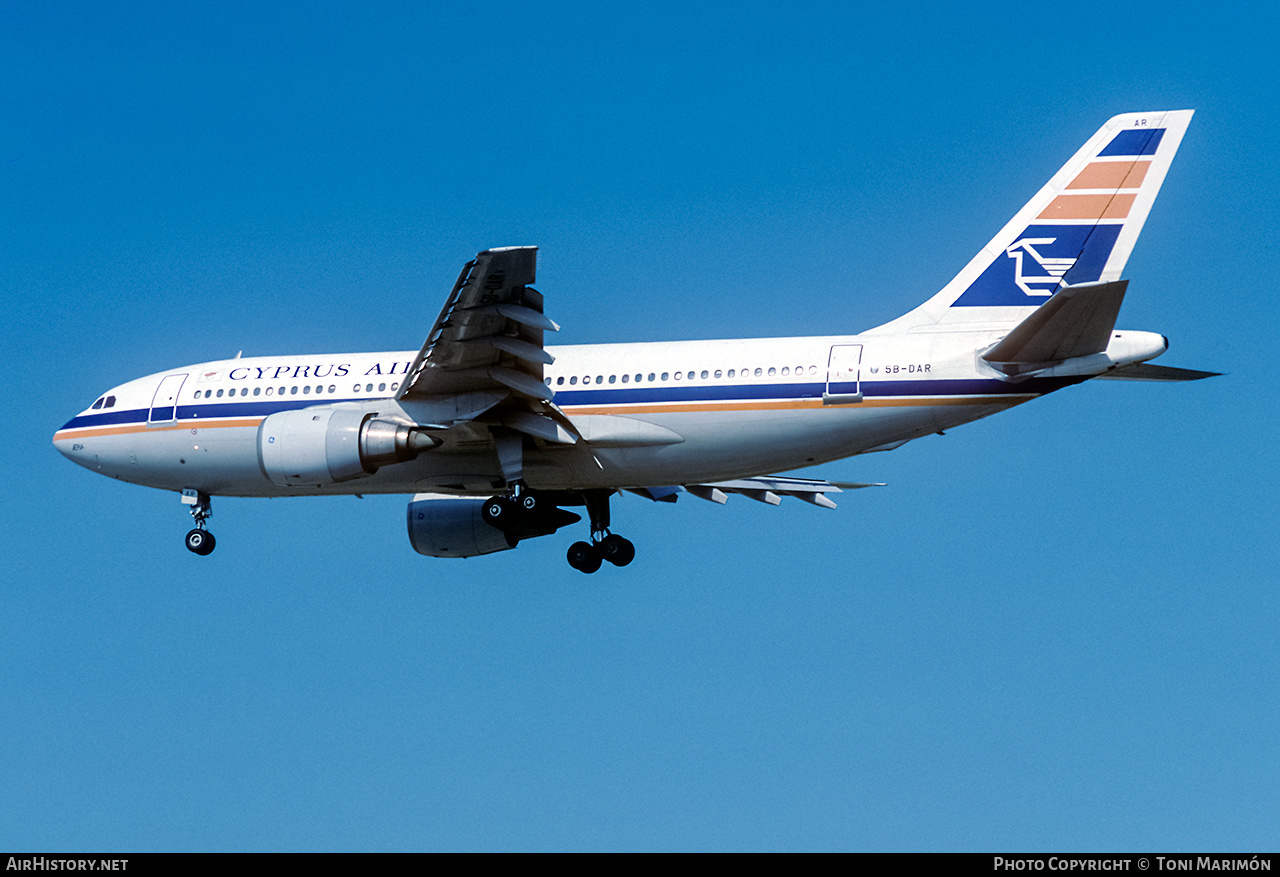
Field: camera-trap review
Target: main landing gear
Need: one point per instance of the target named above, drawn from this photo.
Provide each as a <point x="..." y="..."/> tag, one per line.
<point x="587" y="556"/>
<point x="524" y="514"/>
<point x="506" y="513"/>
<point x="200" y="540"/>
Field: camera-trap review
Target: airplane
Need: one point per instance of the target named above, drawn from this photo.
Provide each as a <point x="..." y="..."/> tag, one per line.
<point x="495" y="433"/>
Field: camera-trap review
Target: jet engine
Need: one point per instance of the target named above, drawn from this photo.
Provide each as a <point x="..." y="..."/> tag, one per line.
<point x="454" y="526"/>
<point x="316" y="446"/>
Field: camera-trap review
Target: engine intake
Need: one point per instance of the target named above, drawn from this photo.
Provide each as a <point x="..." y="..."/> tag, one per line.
<point x="317" y="446"/>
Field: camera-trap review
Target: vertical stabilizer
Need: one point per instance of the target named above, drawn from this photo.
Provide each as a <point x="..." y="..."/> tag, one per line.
<point x="1079" y="228"/>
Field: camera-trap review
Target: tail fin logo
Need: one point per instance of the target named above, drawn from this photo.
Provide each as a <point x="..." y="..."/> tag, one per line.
<point x="1051" y="268"/>
<point x="1038" y="262"/>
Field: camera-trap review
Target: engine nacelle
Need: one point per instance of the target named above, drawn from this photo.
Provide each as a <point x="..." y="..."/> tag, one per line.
<point x="315" y="446"/>
<point x="441" y="525"/>
<point x="452" y="526"/>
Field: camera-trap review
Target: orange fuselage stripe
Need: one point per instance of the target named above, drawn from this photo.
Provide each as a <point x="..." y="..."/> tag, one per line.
<point x="636" y="408"/>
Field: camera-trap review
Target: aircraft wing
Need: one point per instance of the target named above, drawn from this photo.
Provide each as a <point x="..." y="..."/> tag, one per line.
<point x="488" y="339"/>
<point x="765" y="488"/>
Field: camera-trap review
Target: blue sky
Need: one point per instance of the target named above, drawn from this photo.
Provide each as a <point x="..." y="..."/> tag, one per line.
<point x="1054" y="629"/>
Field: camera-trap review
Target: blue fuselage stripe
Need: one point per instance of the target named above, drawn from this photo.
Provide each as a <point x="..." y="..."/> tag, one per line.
<point x="626" y="395"/>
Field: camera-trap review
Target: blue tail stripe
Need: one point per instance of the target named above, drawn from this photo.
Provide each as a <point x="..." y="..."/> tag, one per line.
<point x="1136" y="141"/>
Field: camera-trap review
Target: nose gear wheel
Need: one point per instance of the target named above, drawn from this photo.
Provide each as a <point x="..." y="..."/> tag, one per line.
<point x="199" y="541"/>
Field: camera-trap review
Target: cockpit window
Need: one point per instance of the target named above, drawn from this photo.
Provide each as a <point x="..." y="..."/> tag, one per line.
<point x="98" y="404"/>
<point x="110" y="403"/>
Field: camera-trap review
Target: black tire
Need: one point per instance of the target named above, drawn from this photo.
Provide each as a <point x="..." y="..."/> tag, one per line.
<point x="498" y="512"/>
<point x="584" y="557"/>
<point x="617" y="550"/>
<point x="200" y="542"/>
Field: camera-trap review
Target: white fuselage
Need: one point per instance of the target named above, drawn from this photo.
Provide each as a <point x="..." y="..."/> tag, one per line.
<point x="651" y="414"/>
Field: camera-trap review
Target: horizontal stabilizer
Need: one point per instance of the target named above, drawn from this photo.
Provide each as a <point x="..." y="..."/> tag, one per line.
<point x="1145" y="372"/>
<point x="1077" y="321"/>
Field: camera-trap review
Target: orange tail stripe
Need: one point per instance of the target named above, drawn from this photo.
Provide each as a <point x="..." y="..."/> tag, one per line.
<point x="1112" y="175"/>
<point x="1089" y="207"/>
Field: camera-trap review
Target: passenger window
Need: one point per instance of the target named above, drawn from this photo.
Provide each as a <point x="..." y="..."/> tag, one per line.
<point x="677" y="376"/>
<point x="651" y="376"/>
<point x="786" y="370"/>
<point x="758" y="372"/>
<point x="772" y="371"/>
<point x="599" y="379"/>
<point x="394" y="386"/>
<point x="664" y="376"/>
<point x="382" y="388"/>
<point x="547" y="381"/>
<point x="368" y="388"/>
<point x="332" y="388"/>
<point x="560" y="381"/>
<point x="98" y="404"/>
<point x="244" y="391"/>
<point x="293" y="391"/>
<point x="613" y="379"/>
<point x="219" y="394"/>
<point x="813" y="369"/>
<point x="257" y="391"/>
<point x="731" y="373"/>
<point x="573" y="380"/>
<point x="704" y="374"/>
<point x="306" y="389"/>
<point x="626" y="378"/>
<point x="269" y="389"/>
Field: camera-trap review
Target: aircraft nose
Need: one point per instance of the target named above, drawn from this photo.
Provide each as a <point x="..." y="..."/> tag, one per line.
<point x="73" y="449"/>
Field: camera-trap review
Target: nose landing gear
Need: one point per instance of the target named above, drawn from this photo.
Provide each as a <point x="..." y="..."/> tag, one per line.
<point x="200" y="540"/>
